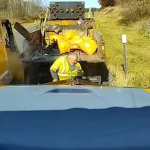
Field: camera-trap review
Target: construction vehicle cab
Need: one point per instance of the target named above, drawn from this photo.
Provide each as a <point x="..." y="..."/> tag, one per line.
<point x="60" y="18"/>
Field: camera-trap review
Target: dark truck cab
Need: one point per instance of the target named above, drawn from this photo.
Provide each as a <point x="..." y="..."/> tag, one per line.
<point x="41" y="56"/>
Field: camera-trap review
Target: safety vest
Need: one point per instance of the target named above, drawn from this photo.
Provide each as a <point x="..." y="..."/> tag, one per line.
<point x="61" y="66"/>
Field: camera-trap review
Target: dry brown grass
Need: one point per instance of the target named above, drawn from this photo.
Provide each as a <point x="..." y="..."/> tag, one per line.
<point x="134" y="10"/>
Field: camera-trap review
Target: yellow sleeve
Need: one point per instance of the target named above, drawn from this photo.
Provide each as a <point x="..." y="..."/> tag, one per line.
<point x="81" y="72"/>
<point x="78" y="64"/>
<point x="56" y="65"/>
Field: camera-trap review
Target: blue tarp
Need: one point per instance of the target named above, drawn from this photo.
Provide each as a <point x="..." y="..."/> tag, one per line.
<point x="76" y="129"/>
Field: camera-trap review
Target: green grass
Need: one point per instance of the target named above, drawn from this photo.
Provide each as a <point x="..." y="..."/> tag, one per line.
<point x="138" y="48"/>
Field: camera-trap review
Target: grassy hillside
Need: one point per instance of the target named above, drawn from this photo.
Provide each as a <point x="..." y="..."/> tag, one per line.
<point x="111" y="25"/>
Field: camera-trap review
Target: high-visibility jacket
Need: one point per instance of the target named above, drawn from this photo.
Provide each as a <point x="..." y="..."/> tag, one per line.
<point x="61" y="67"/>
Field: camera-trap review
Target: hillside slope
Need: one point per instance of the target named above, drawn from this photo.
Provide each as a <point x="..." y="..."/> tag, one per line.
<point x="111" y="26"/>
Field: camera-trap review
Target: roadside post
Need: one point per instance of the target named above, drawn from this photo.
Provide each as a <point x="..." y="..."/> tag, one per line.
<point x="124" y="41"/>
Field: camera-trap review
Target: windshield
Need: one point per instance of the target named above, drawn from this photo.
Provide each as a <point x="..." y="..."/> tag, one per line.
<point x="68" y="43"/>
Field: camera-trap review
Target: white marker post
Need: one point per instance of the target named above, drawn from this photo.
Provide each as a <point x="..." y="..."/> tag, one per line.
<point x="124" y="41"/>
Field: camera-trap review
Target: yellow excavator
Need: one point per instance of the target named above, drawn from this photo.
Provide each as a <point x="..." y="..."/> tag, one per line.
<point x="10" y="66"/>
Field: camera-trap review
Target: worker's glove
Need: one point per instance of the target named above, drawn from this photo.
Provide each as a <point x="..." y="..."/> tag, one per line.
<point x="55" y="80"/>
<point x="80" y="72"/>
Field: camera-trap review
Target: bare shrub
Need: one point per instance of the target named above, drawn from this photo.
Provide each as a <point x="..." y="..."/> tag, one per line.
<point x="134" y="10"/>
<point x="20" y="9"/>
<point x="107" y="3"/>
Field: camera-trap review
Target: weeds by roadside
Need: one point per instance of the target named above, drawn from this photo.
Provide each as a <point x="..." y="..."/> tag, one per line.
<point x="138" y="48"/>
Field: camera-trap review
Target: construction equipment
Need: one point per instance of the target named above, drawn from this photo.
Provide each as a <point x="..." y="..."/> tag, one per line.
<point x="63" y="16"/>
<point x="5" y="75"/>
<point x="9" y="61"/>
<point x="11" y="68"/>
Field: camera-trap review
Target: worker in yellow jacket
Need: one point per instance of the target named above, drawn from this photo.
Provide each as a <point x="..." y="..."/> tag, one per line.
<point x="66" y="67"/>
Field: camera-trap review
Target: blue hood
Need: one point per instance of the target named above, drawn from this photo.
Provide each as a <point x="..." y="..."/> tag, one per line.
<point x="65" y="97"/>
<point x="71" y="118"/>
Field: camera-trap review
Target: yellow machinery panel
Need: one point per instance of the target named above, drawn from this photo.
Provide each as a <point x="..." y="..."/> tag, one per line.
<point x="3" y="56"/>
<point x="9" y="60"/>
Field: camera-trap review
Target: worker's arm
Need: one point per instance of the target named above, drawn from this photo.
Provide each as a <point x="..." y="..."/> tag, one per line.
<point x="55" y="68"/>
<point x="54" y="75"/>
<point x="80" y="72"/>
